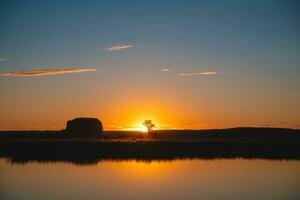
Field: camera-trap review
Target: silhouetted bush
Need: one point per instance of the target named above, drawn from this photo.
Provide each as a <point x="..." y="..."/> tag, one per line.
<point x="84" y="127"/>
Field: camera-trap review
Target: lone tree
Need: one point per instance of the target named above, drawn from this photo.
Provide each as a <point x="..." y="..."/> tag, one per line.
<point x="84" y="127"/>
<point x="149" y="125"/>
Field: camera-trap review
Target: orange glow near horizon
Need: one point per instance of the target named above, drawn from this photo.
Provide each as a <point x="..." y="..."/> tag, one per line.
<point x="128" y="114"/>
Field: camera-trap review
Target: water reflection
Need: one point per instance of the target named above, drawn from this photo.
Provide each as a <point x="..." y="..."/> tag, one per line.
<point x="130" y="179"/>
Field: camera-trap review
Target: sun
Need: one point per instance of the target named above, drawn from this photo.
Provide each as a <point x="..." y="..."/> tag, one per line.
<point x="141" y="128"/>
<point x="137" y="127"/>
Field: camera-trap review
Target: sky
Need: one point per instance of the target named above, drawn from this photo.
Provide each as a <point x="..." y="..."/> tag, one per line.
<point x="182" y="64"/>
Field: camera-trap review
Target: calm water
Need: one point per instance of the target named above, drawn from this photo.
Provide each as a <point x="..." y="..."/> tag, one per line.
<point x="181" y="179"/>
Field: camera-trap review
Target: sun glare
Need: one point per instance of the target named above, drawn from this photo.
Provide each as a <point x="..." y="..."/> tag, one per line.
<point x="137" y="127"/>
<point x="142" y="128"/>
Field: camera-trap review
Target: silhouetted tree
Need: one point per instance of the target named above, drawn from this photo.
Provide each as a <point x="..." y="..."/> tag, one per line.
<point x="84" y="127"/>
<point x="149" y="125"/>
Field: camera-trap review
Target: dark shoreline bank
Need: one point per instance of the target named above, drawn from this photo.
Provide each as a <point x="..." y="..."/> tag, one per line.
<point x="249" y="143"/>
<point x="92" y="152"/>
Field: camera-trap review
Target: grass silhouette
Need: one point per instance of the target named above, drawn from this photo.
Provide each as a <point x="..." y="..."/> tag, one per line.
<point x="44" y="146"/>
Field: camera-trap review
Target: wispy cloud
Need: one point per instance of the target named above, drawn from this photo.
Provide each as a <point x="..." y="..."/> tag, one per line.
<point x="208" y="73"/>
<point x="48" y="72"/>
<point x="3" y="59"/>
<point x="119" y="47"/>
<point x="166" y="70"/>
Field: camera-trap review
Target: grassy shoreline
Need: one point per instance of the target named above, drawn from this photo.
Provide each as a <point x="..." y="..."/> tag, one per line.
<point x="250" y="143"/>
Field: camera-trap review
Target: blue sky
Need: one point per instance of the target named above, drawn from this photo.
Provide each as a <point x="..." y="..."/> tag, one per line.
<point x="252" y="46"/>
